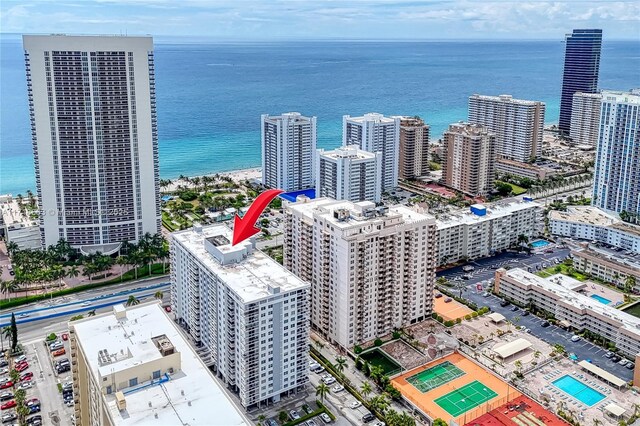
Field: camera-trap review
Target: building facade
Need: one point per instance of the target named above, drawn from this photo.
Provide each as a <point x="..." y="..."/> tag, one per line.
<point x="592" y="224"/>
<point x="349" y="173"/>
<point x="486" y="229"/>
<point x="133" y="366"/>
<point x="616" y="179"/>
<point x="469" y="158"/>
<point x="606" y="266"/>
<point x="376" y="133"/>
<point x="518" y="124"/>
<point x="93" y="122"/>
<point x="371" y="269"/>
<point x="245" y="309"/>
<point x="581" y="69"/>
<point x="532" y="171"/>
<point x="579" y="311"/>
<point x="414" y="148"/>
<point x="288" y="147"/>
<point x="585" y="118"/>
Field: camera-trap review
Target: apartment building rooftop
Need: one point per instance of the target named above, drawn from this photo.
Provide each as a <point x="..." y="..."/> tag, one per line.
<point x="617" y="257"/>
<point x="349" y="151"/>
<point x="133" y="336"/>
<point x="470" y="129"/>
<point x="492" y="211"/>
<point x="11" y="215"/>
<point x="629" y="97"/>
<point x="554" y="285"/>
<point x="507" y="98"/>
<point x="585" y="214"/>
<point x="371" y="116"/>
<point x="248" y="272"/>
<point x="346" y="214"/>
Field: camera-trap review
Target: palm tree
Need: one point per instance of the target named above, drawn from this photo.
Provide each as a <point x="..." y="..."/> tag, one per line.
<point x="261" y="419"/>
<point x="73" y="272"/>
<point x="7" y="287"/>
<point x="322" y="390"/>
<point x="91" y="313"/>
<point x="340" y="364"/>
<point x="379" y="403"/>
<point x="5" y="333"/>
<point x="365" y="389"/>
<point x="629" y="283"/>
<point x="376" y="373"/>
<point x="158" y="295"/>
<point x="319" y="344"/>
<point x="132" y="301"/>
<point x="122" y="261"/>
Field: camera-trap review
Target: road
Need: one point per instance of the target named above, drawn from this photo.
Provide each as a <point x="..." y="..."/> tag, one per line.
<point x="485" y="271"/>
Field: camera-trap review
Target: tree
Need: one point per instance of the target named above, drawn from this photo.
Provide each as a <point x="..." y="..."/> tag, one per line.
<point x="392" y="418"/>
<point x="261" y="419"/>
<point x="8" y="287"/>
<point x="5" y="333"/>
<point x="340" y="364"/>
<point x="503" y="188"/>
<point x="376" y="372"/>
<point x="321" y="391"/>
<point x="365" y="389"/>
<point x="283" y="416"/>
<point x="91" y="313"/>
<point x="132" y="301"/>
<point x="379" y="403"/>
<point x="14" y="332"/>
<point x="629" y="283"/>
<point x="158" y="295"/>
<point x="319" y="344"/>
<point x="439" y="422"/>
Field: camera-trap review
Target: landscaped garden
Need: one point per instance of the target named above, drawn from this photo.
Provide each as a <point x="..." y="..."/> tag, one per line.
<point x="378" y="358"/>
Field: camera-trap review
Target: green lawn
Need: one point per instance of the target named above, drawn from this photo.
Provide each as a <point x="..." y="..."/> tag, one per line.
<point x="517" y="190"/>
<point x="562" y="269"/>
<point x="377" y="357"/>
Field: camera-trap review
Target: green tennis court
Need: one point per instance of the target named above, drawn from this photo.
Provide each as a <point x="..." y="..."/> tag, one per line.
<point x="464" y="399"/>
<point x="435" y="376"/>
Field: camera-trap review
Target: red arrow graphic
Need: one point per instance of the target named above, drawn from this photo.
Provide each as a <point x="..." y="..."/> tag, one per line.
<point x="244" y="228"/>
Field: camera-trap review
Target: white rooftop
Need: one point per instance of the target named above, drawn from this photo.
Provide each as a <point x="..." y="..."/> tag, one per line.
<point x="349" y="151"/>
<point x="632" y="97"/>
<point x="593" y="216"/>
<point x="254" y="277"/>
<point x="507" y="99"/>
<point x="578" y="300"/>
<point x="191" y="395"/>
<point x="11" y="215"/>
<point x="371" y="116"/>
<point x="494" y="211"/>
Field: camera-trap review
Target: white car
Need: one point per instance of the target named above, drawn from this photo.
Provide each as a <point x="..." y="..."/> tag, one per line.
<point x="623" y="362"/>
<point x="3" y="371"/>
<point x="325" y="418"/>
<point x="329" y="380"/>
<point x="337" y="388"/>
<point x="26" y="385"/>
<point x="20" y="359"/>
<point x="575" y="338"/>
<point x="70" y="403"/>
<point x="355" y="404"/>
<point x="87" y="303"/>
<point x="25" y="315"/>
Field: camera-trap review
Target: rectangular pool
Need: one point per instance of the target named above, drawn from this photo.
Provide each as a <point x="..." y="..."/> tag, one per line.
<point x="578" y="390"/>
<point x="539" y="243"/>
<point x="600" y="299"/>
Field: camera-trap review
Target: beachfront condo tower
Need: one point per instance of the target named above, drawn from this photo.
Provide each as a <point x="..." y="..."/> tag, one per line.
<point x="288" y="147"/>
<point x="414" y="148"/>
<point x="585" y="118"/>
<point x="581" y="68"/>
<point x="93" y="121"/>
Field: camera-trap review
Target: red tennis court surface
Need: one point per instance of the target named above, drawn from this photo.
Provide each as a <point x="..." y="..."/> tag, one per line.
<point x="524" y="410"/>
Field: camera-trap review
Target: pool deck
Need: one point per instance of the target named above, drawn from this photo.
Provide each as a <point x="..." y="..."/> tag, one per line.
<point x="602" y="291"/>
<point x="425" y="401"/>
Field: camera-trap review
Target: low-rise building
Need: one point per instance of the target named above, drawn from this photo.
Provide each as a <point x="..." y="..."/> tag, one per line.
<point x="486" y="229"/>
<point x="245" y="309"/>
<point x="611" y="267"/>
<point x="133" y="366"/>
<point x="576" y="310"/>
<point x="19" y="227"/>
<point x="528" y="170"/>
<point x="592" y="224"/>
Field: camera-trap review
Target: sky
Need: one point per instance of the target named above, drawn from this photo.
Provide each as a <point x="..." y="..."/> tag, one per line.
<point x="322" y="19"/>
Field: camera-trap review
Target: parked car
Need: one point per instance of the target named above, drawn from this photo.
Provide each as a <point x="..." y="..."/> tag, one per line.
<point x="630" y="366"/>
<point x="527" y="330"/>
<point x="20" y="368"/>
<point x="329" y="380"/>
<point x="65" y="337"/>
<point x="438" y="295"/>
<point x="575" y="338"/>
<point x="616" y="358"/>
<point x="26" y="376"/>
<point x="55" y="346"/>
<point x="608" y="354"/>
<point x="8" y="404"/>
<point x="545" y="324"/>
<point x="35" y="420"/>
<point x="9" y="417"/>
<point x="4" y="371"/>
<point x="6" y="385"/>
<point x="311" y="422"/>
<point x="33" y="401"/>
<point x="623" y="362"/>
<point x="485" y="294"/>
<point x="525" y="313"/>
<point x="63" y="368"/>
<point x="25" y="385"/>
<point x="59" y="352"/>
<point x="70" y="403"/>
<point x="514" y="308"/>
<point x="466" y="277"/>
<point x="34" y="408"/>
<point x="4" y="396"/>
<point x="325" y="418"/>
<point x="447" y="300"/>
<point x="4" y="363"/>
<point x="337" y="388"/>
<point x="355" y="404"/>
<point x="368" y="417"/>
<point x="294" y="414"/>
<point x="504" y="303"/>
<point x="20" y="359"/>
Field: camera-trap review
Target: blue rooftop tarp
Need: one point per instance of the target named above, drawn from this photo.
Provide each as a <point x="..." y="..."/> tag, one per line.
<point x="291" y="196"/>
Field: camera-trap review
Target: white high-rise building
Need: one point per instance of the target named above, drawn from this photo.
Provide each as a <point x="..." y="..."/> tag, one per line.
<point x="288" y="148"/>
<point x="585" y="118"/>
<point x="376" y="133"/>
<point x="616" y="179"/>
<point x="518" y="124"/>
<point x="371" y="269"/>
<point x="93" y="120"/>
<point x="348" y="173"/>
<point x="250" y="313"/>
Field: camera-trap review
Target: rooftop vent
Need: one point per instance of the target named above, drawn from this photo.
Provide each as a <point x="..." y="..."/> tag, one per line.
<point x="219" y="240"/>
<point x="164" y="345"/>
<point x="341" y="214"/>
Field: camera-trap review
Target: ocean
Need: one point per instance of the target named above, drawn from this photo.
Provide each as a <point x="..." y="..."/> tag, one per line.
<point x="210" y="95"/>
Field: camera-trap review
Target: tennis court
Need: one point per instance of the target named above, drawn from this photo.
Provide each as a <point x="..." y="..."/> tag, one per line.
<point x="464" y="399"/>
<point x="435" y="376"/>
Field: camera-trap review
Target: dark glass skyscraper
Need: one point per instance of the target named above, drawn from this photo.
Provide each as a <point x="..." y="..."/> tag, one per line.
<point x="581" y="67"/>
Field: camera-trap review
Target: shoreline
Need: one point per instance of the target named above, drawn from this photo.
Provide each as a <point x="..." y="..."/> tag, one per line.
<point x="235" y="175"/>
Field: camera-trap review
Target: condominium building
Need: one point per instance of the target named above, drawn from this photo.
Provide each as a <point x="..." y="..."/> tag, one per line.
<point x="133" y="366"/>
<point x="414" y="148"/>
<point x="349" y="173"/>
<point x="93" y="122"/>
<point x="607" y="265"/>
<point x="17" y="225"/>
<point x="288" y="147"/>
<point x="517" y="124"/>
<point x="529" y="170"/>
<point x="592" y="224"/>
<point x="585" y="118"/>
<point x="616" y="179"/>
<point x="581" y="69"/>
<point x="245" y="309"/>
<point x="371" y="269"/>
<point x="486" y="229"/>
<point x="376" y="133"/>
<point x="574" y="309"/>
<point x="469" y="158"/>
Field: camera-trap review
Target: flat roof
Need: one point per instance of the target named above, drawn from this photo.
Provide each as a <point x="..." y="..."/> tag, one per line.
<point x="494" y="211"/>
<point x="583" y="214"/>
<point x="614" y="380"/>
<point x="350" y="151"/>
<point x="496" y="317"/>
<point x="615" y="409"/>
<point x="291" y="196"/>
<point x="189" y="397"/>
<point x="371" y="116"/>
<point x="512" y="348"/>
<point x="13" y="218"/>
<point x="251" y="279"/>
<point x="506" y="99"/>
<point x="619" y="259"/>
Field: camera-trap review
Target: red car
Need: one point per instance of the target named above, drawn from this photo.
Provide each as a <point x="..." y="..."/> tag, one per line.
<point x="59" y="352"/>
<point x="22" y="367"/>
<point x="21" y="363"/>
<point x="26" y="376"/>
<point x="65" y="336"/>
<point x="8" y="404"/>
<point x="6" y="385"/>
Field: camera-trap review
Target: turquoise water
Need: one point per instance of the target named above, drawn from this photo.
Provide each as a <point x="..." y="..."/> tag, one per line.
<point x="539" y="243"/>
<point x="601" y="299"/>
<point x="578" y="390"/>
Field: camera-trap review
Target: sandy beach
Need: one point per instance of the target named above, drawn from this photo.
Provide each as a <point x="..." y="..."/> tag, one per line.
<point x="236" y="175"/>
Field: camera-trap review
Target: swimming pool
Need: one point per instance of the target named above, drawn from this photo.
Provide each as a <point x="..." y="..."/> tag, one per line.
<point x="539" y="243"/>
<point x="601" y="299"/>
<point x="578" y="390"/>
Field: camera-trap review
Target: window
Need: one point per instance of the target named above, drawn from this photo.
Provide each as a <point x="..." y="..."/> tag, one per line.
<point x="109" y="389"/>
<point x="156" y="374"/>
<point x="133" y="382"/>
